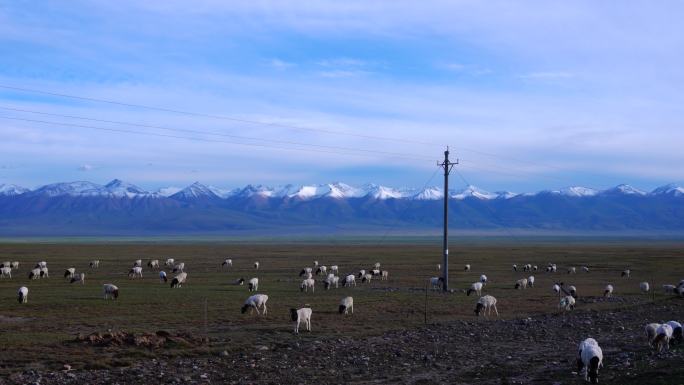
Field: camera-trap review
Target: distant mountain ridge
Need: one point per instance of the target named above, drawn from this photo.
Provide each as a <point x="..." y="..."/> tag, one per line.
<point x="118" y="208"/>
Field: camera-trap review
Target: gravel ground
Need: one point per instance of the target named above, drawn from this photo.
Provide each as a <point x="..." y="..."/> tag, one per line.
<point x="536" y="350"/>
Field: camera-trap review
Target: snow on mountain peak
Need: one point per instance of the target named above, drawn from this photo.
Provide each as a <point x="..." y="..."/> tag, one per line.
<point x="624" y="189"/>
<point x="473" y="192"/>
<point x="429" y="194"/>
<point x="196" y="190"/>
<point x="119" y="188"/>
<point x="12" y="190"/>
<point x="578" y="191"/>
<point x="669" y="189"/>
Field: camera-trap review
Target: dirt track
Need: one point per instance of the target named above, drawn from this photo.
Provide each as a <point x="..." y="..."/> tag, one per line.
<point x="536" y="350"/>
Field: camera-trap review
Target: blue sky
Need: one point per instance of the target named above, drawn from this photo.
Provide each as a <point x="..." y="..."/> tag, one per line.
<point x="529" y="94"/>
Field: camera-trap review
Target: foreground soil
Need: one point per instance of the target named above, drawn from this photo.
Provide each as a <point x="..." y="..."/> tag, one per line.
<point x="534" y="350"/>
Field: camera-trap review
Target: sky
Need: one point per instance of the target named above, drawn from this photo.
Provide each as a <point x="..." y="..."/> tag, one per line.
<point x="528" y="95"/>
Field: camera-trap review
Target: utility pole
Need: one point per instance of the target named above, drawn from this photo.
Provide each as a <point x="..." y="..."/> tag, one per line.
<point x="447" y="166"/>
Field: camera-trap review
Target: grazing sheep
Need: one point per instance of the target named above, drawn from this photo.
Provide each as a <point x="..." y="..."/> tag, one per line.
<point x="608" y="291"/>
<point x="110" y="291"/>
<point x="483" y="279"/>
<point x="179" y="280"/>
<point x="78" y="278"/>
<point x="384" y="275"/>
<point x="567" y="303"/>
<point x="22" y="294"/>
<point x="153" y="264"/>
<point x="572" y="290"/>
<point x="44" y="273"/>
<point x="521" y="283"/>
<point x="333" y="269"/>
<point x="527" y="267"/>
<point x="170" y="262"/>
<point x="94" y="264"/>
<point x="436" y="283"/>
<point x="7" y="264"/>
<point x="367" y="278"/>
<point x="644" y="287"/>
<point x="136" y="271"/>
<point x="476" y="288"/>
<point x="41" y="264"/>
<point x="650" y="331"/>
<point x="486" y="302"/>
<point x="377" y="265"/>
<point x="321" y="270"/>
<point x="179" y="268"/>
<point x="662" y="338"/>
<point x="530" y="281"/>
<point x="162" y="277"/>
<point x="315" y="263"/>
<point x="346" y="305"/>
<point x="535" y="268"/>
<point x="439" y="267"/>
<point x="589" y="359"/>
<point x="572" y="270"/>
<point x="255" y="302"/>
<point x="375" y="272"/>
<point x="256" y="265"/>
<point x="515" y="267"/>
<point x="69" y="273"/>
<point x="556" y="288"/>
<point x="227" y="262"/>
<point x="307" y="284"/>
<point x="253" y="284"/>
<point x="14" y="265"/>
<point x="301" y="315"/>
<point x="240" y="282"/>
<point x="349" y="281"/>
<point x="330" y="281"/>
<point x="34" y="274"/>
<point x="361" y="273"/>
<point x="676" y="332"/>
<point x="585" y="269"/>
<point x="466" y="267"/>
<point x="626" y="273"/>
<point x="5" y="272"/>
<point x="306" y="271"/>
<point x="137" y="262"/>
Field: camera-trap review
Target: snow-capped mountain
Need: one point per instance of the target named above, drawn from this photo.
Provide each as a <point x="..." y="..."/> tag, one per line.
<point x="669" y="189"/>
<point x="473" y="192"/>
<point x="577" y="191"/>
<point x="12" y="189"/>
<point x="120" y="188"/>
<point x="623" y="189"/>
<point x="196" y="191"/>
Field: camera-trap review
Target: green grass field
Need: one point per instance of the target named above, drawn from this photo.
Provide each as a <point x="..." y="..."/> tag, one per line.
<point x="39" y="334"/>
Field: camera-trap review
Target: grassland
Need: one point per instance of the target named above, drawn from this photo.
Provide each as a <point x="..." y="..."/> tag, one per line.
<point x="38" y="335"/>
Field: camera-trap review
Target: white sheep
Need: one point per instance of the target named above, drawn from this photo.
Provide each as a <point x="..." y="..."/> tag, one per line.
<point x="608" y="291"/>
<point x="334" y="269"/>
<point x="585" y="269"/>
<point x="40" y="264"/>
<point x="530" y="281"/>
<point x="367" y="278"/>
<point x="556" y="288"/>
<point x="486" y="302"/>
<point x="321" y="270"/>
<point x="436" y="283"/>
<point x="535" y="268"/>
<point x="377" y="265"/>
<point x="306" y="271"/>
<point x="301" y="315"/>
<point x="253" y="284"/>
<point x="307" y="284"/>
<point x="153" y="264"/>
<point x="44" y="273"/>
<point x="362" y="272"/>
<point x="589" y="359"/>
<point x="375" y="272"/>
<point x="22" y="294"/>
<point x="227" y="262"/>
<point x="676" y="332"/>
<point x="179" y="280"/>
<point x="6" y="264"/>
<point x="626" y="273"/>
<point x="255" y="302"/>
<point x="34" y="274"/>
<point x="315" y="263"/>
<point x="330" y="281"/>
<point x="69" y="273"/>
<point x="384" y="275"/>
<point x="662" y="338"/>
<point x="515" y="267"/>
<point x="567" y="303"/>
<point x="137" y="262"/>
<point x="162" y="277"/>
<point x="466" y="267"/>
<point x="170" y="262"/>
<point x="476" y="288"/>
<point x="644" y="287"/>
<point x="94" y="264"/>
<point x="346" y="305"/>
<point x="256" y="265"/>
<point x="135" y="272"/>
<point x="14" y="265"/>
<point x="110" y="291"/>
<point x="483" y="279"/>
<point x="78" y="278"/>
<point x="179" y="268"/>
<point x="5" y="272"/>
<point x="349" y="280"/>
<point x="572" y="270"/>
<point x="521" y="283"/>
<point x="651" y="332"/>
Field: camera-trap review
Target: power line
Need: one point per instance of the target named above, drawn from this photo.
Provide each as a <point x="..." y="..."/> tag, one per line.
<point x="207" y="140"/>
<point x="215" y="133"/>
<point x="212" y="116"/>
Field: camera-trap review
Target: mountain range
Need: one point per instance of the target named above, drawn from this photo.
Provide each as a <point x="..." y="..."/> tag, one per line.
<point x="120" y="208"/>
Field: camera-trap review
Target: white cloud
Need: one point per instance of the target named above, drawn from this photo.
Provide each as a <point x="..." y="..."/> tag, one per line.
<point x="85" y="167"/>
<point x="547" y="75"/>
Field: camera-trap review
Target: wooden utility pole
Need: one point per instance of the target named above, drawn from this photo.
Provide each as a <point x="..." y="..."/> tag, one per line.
<point x="447" y="166"/>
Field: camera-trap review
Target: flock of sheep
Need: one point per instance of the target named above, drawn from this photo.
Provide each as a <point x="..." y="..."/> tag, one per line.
<point x="589" y="358"/>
